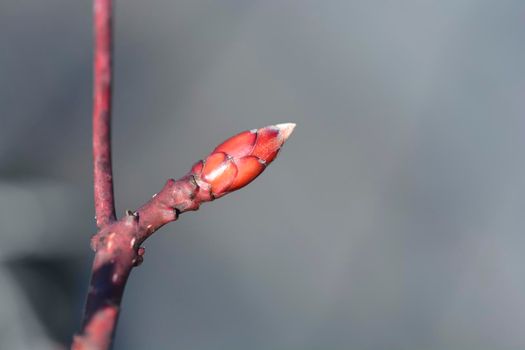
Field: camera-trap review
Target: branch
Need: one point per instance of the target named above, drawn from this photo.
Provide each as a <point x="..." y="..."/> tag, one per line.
<point x="103" y="176"/>
<point x="231" y="166"/>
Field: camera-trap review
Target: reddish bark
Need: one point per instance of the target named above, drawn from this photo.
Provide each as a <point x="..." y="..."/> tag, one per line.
<point x="232" y="165"/>
<point x="117" y="245"/>
<point x="103" y="175"/>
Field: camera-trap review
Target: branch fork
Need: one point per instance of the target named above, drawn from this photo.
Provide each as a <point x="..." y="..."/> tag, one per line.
<point x="117" y="245"/>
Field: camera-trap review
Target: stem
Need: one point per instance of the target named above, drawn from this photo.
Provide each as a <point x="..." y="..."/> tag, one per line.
<point x="117" y="244"/>
<point x="117" y="247"/>
<point x="232" y="165"/>
<point x="103" y="175"/>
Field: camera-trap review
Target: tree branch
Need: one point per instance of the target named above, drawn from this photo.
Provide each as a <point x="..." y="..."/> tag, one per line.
<point x="117" y="245"/>
<point x="232" y="165"/>
<point x="103" y="175"/>
<point x="118" y="250"/>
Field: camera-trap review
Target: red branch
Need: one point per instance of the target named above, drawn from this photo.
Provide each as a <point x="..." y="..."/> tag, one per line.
<point x="118" y="250"/>
<point x="232" y="165"/>
<point x="103" y="177"/>
<point x="117" y="245"/>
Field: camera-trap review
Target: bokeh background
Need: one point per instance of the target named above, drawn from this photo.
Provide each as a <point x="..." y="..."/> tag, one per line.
<point x="393" y="218"/>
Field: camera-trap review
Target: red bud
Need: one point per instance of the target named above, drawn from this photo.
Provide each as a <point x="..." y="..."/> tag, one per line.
<point x="239" y="160"/>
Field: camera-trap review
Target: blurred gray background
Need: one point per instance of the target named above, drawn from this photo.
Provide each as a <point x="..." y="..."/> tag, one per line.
<point x="393" y="218"/>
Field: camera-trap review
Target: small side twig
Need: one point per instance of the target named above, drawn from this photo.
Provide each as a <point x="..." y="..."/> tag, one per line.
<point x="103" y="175"/>
<point x="231" y="166"/>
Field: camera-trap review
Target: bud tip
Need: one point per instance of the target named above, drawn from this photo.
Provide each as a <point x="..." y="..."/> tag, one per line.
<point x="286" y="129"/>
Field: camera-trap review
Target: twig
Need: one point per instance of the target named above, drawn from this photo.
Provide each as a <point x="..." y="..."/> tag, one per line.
<point x="117" y="245"/>
<point x="231" y="166"/>
<point x="103" y="175"/>
<point x="118" y="250"/>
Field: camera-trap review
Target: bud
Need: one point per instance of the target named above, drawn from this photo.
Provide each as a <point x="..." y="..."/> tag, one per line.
<point x="239" y="160"/>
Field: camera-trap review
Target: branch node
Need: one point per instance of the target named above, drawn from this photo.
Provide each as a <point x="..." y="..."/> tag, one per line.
<point x="131" y="213"/>
<point x="137" y="261"/>
<point x="141" y="251"/>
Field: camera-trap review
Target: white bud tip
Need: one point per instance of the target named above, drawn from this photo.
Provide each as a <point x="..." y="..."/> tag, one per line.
<point x="286" y="129"/>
